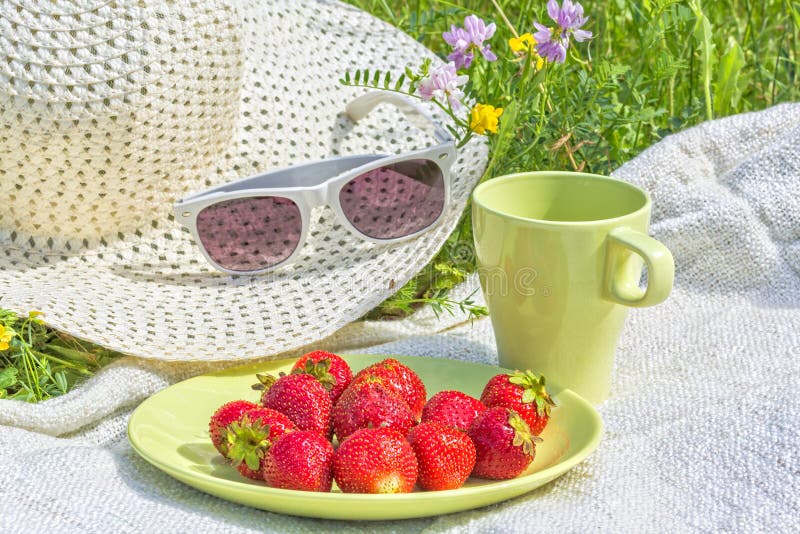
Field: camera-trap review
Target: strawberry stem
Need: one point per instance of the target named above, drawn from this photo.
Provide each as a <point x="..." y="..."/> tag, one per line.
<point x="247" y="441"/>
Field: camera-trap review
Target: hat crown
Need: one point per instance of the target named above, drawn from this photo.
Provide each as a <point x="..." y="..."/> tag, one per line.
<point x="111" y="111"/>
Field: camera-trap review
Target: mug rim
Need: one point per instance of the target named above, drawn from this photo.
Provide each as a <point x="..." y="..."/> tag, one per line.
<point x="496" y="182"/>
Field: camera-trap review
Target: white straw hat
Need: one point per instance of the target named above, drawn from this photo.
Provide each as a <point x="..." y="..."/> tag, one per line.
<point x="112" y="111"/>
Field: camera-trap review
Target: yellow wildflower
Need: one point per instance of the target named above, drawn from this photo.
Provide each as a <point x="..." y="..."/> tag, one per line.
<point x="5" y="337"/>
<point x="484" y="118"/>
<point x="524" y="44"/>
<point x="35" y="315"/>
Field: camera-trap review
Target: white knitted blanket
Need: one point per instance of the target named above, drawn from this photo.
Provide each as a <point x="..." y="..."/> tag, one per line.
<point x="701" y="431"/>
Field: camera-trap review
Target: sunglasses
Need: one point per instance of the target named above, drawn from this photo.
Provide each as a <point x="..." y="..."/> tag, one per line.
<point x="259" y="223"/>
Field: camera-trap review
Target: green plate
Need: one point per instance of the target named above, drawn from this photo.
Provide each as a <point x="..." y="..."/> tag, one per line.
<point x="170" y="430"/>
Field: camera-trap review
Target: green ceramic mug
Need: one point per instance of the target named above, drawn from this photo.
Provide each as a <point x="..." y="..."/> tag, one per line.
<point x="560" y="256"/>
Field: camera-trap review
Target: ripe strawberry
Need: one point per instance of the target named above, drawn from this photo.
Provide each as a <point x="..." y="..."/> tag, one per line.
<point x="445" y="456"/>
<point x="375" y="460"/>
<point x="370" y="404"/>
<point x="301" y="460"/>
<point x="225" y="415"/>
<point x="452" y="408"/>
<point x="301" y="397"/>
<point x="524" y="393"/>
<point x="503" y="442"/>
<point x="400" y="378"/>
<point x="250" y="437"/>
<point x="332" y="371"/>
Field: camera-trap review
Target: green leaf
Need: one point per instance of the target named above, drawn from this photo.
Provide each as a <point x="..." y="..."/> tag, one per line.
<point x="703" y="34"/>
<point x="61" y="381"/>
<point x="728" y="88"/>
<point x="376" y="78"/>
<point x="387" y="80"/>
<point x="425" y="67"/>
<point x="398" y="85"/>
<point x="538" y="78"/>
<point x="8" y="377"/>
<point x="358" y="76"/>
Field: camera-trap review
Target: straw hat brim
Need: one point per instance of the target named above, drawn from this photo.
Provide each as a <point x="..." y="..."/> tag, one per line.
<point x="153" y="295"/>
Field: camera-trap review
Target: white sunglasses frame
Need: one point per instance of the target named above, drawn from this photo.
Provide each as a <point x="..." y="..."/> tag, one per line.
<point x="318" y="183"/>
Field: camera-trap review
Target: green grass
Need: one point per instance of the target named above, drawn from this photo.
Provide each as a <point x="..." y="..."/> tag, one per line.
<point x="645" y="74"/>
<point x="653" y="68"/>
<point x="40" y="363"/>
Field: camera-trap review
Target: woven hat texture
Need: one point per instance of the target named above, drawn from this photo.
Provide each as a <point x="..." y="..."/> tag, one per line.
<point x="109" y="112"/>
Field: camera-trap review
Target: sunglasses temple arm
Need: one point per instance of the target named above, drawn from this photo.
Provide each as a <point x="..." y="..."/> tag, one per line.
<point x="360" y="107"/>
<point x="304" y="175"/>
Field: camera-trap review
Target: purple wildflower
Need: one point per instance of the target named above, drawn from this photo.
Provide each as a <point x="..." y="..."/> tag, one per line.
<point x="468" y="39"/>
<point x="443" y="83"/>
<point x="552" y="43"/>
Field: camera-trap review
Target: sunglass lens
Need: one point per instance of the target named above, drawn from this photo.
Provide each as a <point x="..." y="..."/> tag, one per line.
<point x="395" y="200"/>
<point x="250" y="234"/>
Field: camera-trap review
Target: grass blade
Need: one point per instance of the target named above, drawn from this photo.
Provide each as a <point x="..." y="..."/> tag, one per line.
<point x="727" y="90"/>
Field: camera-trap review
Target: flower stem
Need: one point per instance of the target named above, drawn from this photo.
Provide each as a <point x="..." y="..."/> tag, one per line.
<point x="505" y="19"/>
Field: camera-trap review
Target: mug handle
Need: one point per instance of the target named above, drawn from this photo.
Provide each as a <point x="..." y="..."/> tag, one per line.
<point x="621" y="276"/>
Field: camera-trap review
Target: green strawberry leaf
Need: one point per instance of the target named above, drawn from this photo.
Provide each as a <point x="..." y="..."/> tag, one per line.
<point x="533" y="390"/>
<point x="265" y="381"/>
<point x="528" y="396"/>
<point x="253" y="460"/>
<point x="247" y="441"/>
<point x="522" y="433"/>
<point x="320" y="371"/>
